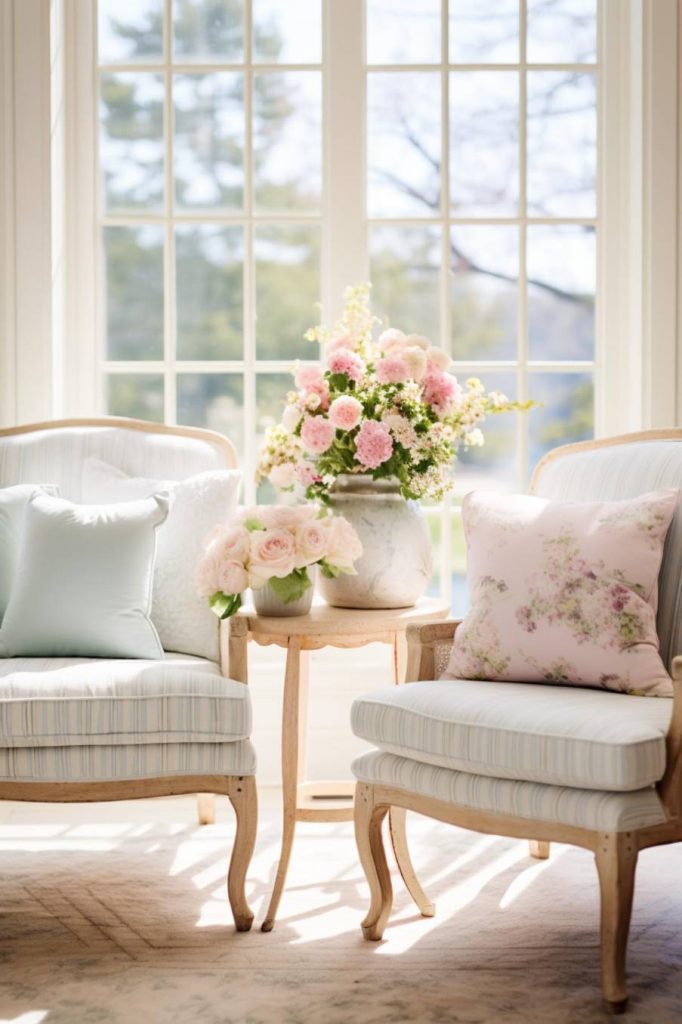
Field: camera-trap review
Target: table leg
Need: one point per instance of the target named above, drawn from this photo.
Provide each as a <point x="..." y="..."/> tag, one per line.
<point x="290" y="766"/>
<point x="397" y="815"/>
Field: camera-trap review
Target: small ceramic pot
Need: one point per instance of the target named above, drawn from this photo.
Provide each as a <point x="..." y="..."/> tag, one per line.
<point x="269" y="604"/>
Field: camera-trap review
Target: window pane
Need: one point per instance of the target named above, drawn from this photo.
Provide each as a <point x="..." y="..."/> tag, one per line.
<point x="405" y="273"/>
<point x="138" y="395"/>
<point x="209" y="264"/>
<point x="131" y="140"/>
<point x="271" y="391"/>
<point x="484" y="291"/>
<point x="484" y="142"/>
<point x="287" y="290"/>
<point x="215" y="401"/>
<point x="493" y="466"/>
<point x="287" y="31"/>
<point x="562" y="144"/>
<point x="403" y="31"/>
<point x="287" y="140"/>
<point x="403" y="143"/>
<point x="561" y="285"/>
<point x="134" y="292"/>
<point x="567" y="412"/>
<point x="562" y="31"/>
<point x="209" y="140"/>
<point x="484" y="31"/>
<point x="130" y="31"/>
<point x="208" y="30"/>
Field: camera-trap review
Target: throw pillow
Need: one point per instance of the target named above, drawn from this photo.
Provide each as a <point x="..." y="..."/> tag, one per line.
<point x="83" y="581"/>
<point x="13" y="501"/>
<point x="564" y="592"/>
<point x="184" y="621"/>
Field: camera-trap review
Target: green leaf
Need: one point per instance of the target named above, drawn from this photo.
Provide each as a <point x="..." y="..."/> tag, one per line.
<point x="253" y="524"/>
<point x="330" y="572"/>
<point x="292" y="587"/>
<point x="224" y="605"/>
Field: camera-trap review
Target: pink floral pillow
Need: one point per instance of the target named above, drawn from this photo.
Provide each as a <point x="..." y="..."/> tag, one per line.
<point x="564" y="592"/>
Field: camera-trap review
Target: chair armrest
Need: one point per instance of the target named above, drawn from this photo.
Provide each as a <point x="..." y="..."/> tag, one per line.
<point x="422" y="640"/>
<point x="233" y="643"/>
<point x="671" y="784"/>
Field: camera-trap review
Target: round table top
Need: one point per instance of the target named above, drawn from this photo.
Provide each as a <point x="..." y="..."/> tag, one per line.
<point x="323" y="619"/>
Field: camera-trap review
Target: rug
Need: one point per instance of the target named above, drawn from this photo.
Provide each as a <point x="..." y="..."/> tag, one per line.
<point x="117" y="914"/>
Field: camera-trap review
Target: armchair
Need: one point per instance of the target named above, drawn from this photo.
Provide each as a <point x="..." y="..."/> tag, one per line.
<point x="88" y="729"/>
<point x="414" y="768"/>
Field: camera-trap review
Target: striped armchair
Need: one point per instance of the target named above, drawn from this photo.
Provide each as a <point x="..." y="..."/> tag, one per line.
<point x="592" y="768"/>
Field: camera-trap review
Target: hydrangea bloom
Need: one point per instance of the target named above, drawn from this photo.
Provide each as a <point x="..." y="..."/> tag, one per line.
<point x="373" y="444"/>
<point x="344" y="361"/>
<point x="345" y="412"/>
<point x="317" y="434"/>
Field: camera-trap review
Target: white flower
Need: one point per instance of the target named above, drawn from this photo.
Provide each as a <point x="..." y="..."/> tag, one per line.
<point x="419" y="340"/>
<point x="474" y="439"/>
<point x="438" y="358"/>
<point x="415" y="358"/>
<point x="402" y="429"/>
<point x="291" y="417"/>
<point x="283" y="475"/>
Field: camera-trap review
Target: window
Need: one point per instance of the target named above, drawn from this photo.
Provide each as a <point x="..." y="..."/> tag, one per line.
<point x="218" y="220"/>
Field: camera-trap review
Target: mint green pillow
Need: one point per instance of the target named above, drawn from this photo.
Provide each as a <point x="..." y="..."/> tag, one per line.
<point x="13" y="501"/>
<point x="83" y="580"/>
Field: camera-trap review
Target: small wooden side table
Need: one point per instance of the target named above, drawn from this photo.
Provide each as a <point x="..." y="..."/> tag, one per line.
<point x="324" y="626"/>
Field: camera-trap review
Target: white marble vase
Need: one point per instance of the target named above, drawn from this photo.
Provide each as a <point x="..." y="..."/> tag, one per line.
<point x="397" y="563"/>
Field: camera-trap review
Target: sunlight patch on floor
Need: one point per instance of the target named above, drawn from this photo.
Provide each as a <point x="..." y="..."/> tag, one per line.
<point x="523" y="881"/>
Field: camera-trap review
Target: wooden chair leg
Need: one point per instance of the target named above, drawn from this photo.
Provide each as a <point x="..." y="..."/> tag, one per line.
<point x="398" y="831"/>
<point x="616" y="857"/>
<point x="539" y="848"/>
<point x="244" y="798"/>
<point x="368" y="822"/>
<point x="206" y="808"/>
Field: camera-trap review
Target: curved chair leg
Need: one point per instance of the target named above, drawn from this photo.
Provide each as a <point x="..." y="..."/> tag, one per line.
<point x="396" y="820"/>
<point x="244" y="798"/>
<point x="206" y="808"/>
<point x="616" y="857"/>
<point x="539" y="848"/>
<point x="368" y="822"/>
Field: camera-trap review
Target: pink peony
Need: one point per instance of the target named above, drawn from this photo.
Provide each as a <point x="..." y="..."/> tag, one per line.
<point x="317" y="434"/>
<point x="273" y="553"/>
<point x="306" y="473"/>
<point x="307" y="377"/>
<point x="229" y="544"/>
<point x="440" y="390"/>
<point x="343" y="361"/>
<point x="392" y="369"/>
<point x="373" y="444"/>
<point x="343" y="543"/>
<point x="232" y="578"/>
<point x="311" y="543"/>
<point x="345" y="412"/>
<point x="345" y="341"/>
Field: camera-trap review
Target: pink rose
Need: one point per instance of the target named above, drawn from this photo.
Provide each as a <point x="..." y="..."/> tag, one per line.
<point x="343" y="543"/>
<point x="207" y="577"/>
<point x="317" y="434"/>
<point x="287" y="517"/>
<point x="232" y="578"/>
<point x="345" y="412"/>
<point x="306" y="473"/>
<point x="229" y="544"/>
<point x="272" y="554"/>
<point x="373" y="444"/>
<point x="311" y="543"/>
<point x="440" y="390"/>
<point x="392" y="369"/>
<point x="343" y="361"/>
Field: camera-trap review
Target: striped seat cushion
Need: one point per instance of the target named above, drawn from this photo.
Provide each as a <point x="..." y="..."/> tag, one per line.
<point x="564" y="736"/>
<point x="559" y="805"/>
<point x="62" y="702"/>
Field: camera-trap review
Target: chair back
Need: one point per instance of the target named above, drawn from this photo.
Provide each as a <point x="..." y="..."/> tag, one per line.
<point x="54" y="453"/>
<point x="624" y="467"/>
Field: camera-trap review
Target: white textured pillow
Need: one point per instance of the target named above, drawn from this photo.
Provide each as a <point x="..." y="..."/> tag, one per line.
<point x="82" y="586"/>
<point x="13" y="501"/>
<point x="184" y="621"/>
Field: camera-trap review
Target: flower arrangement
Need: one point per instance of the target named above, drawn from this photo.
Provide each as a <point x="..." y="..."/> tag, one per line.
<point x="387" y="407"/>
<point x="274" y="544"/>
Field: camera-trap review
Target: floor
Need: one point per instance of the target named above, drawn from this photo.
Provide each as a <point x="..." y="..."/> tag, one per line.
<point x="117" y="913"/>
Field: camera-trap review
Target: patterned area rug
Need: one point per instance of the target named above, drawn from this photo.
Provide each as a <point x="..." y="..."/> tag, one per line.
<point x="116" y="914"/>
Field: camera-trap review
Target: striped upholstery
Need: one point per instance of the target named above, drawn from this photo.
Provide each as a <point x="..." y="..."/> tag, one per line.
<point x="56" y="456"/>
<point x="624" y="471"/>
<point x="563" y="736"/>
<point x="61" y="702"/>
<point x="118" y="763"/>
<point x="590" y="809"/>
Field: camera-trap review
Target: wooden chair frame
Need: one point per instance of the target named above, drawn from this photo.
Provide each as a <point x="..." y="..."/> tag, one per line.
<point x="615" y="852"/>
<point x="241" y="790"/>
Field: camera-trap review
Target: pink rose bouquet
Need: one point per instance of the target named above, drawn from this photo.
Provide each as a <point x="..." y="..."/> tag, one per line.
<point x="387" y="406"/>
<point x="274" y="544"/>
